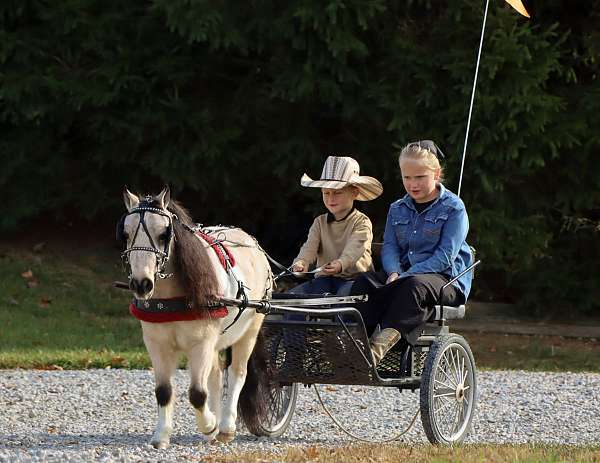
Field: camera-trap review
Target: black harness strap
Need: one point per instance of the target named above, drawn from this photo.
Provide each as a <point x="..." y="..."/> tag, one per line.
<point x="241" y="294"/>
<point x="162" y="256"/>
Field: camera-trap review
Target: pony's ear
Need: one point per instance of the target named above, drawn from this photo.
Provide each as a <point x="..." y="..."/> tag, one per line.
<point x="164" y="197"/>
<point x="131" y="201"/>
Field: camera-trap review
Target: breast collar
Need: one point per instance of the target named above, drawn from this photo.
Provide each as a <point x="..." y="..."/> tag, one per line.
<point x="178" y="308"/>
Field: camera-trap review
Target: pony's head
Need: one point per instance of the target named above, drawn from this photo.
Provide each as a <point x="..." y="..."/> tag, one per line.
<point x="146" y="232"/>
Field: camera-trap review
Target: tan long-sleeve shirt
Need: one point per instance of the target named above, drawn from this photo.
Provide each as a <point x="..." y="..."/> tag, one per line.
<point x="348" y="240"/>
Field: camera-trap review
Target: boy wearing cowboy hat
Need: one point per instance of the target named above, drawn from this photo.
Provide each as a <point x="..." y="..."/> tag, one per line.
<point x="340" y="240"/>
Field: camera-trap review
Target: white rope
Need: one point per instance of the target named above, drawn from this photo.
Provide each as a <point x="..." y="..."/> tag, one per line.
<point x="362" y="439"/>
<point x="462" y="165"/>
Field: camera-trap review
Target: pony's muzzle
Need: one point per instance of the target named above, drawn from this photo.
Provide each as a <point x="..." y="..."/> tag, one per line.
<point x="141" y="287"/>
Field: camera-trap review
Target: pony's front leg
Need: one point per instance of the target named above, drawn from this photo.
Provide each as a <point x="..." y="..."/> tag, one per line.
<point x="200" y="359"/>
<point x="236" y="377"/>
<point x="215" y="387"/>
<point x="164" y="362"/>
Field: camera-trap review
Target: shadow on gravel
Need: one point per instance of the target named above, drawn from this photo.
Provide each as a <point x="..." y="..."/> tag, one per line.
<point x="78" y="441"/>
<point x="62" y="441"/>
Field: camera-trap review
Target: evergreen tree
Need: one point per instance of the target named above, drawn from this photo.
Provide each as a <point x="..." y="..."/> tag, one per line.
<point x="231" y="102"/>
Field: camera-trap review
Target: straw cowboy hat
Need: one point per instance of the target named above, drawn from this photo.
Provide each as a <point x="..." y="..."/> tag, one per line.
<point x="341" y="171"/>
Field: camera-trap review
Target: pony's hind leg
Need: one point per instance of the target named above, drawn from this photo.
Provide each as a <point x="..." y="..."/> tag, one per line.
<point x="164" y="362"/>
<point x="201" y="360"/>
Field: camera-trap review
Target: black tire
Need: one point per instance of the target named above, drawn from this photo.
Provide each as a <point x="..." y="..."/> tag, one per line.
<point x="448" y="390"/>
<point x="280" y="410"/>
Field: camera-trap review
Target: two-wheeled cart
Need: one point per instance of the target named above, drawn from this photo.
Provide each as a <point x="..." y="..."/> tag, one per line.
<point x="330" y="345"/>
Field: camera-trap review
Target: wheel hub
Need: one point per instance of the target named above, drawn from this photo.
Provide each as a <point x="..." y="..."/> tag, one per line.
<point x="460" y="393"/>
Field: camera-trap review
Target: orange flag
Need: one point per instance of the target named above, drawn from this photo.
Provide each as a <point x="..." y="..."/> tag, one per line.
<point x="518" y="5"/>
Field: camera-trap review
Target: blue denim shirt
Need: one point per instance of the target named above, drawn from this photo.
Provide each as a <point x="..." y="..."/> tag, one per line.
<point x="433" y="241"/>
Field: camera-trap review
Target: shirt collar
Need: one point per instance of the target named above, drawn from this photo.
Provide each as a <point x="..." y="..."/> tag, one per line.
<point x="331" y="217"/>
<point x="408" y="201"/>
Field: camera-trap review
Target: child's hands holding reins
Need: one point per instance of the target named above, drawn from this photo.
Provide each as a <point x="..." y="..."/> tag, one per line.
<point x="332" y="268"/>
<point x="299" y="266"/>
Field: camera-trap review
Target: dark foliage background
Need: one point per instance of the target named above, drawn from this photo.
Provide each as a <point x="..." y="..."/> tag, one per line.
<point x="230" y="102"/>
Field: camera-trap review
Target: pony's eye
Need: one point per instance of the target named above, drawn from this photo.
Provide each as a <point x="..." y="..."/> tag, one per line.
<point x="125" y="236"/>
<point x="163" y="237"/>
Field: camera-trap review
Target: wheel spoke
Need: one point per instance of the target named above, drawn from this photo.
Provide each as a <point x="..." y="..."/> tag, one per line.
<point x="454" y="355"/>
<point x="443" y="404"/>
<point x="276" y="405"/>
<point x="435" y="396"/>
<point x="458" y="368"/>
<point x="447" y="386"/>
<point x="456" y="423"/>
<point x="438" y="415"/>
<point x="447" y="418"/>
<point x="449" y="378"/>
<point x="272" y="412"/>
<point x="451" y="365"/>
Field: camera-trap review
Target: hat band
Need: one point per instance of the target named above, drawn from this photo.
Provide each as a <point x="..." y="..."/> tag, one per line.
<point x="332" y="180"/>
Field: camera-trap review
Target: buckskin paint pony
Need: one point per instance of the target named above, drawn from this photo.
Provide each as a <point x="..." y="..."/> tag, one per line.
<point x="171" y="263"/>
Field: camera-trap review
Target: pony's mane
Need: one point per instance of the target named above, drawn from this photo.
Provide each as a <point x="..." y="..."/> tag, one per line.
<point x="192" y="263"/>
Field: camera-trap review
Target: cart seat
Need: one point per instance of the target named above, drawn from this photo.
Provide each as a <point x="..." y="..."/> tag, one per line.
<point x="448" y="312"/>
<point x="445" y="312"/>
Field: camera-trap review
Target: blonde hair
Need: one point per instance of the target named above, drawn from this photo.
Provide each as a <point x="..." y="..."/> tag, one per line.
<point x="415" y="152"/>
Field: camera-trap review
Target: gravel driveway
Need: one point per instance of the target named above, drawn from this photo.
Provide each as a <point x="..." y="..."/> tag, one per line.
<point x="109" y="415"/>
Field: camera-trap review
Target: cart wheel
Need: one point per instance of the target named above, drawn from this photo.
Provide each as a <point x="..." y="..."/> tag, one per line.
<point x="448" y="390"/>
<point x="282" y="402"/>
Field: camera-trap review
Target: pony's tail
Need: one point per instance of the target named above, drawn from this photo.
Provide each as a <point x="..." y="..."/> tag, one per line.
<point x="256" y="392"/>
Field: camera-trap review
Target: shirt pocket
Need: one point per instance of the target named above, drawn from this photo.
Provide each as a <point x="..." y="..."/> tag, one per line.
<point x="401" y="228"/>
<point x="432" y="227"/>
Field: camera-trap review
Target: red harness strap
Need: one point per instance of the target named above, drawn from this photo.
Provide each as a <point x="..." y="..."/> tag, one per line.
<point x="224" y="254"/>
<point x="218" y="248"/>
<point x="164" y="317"/>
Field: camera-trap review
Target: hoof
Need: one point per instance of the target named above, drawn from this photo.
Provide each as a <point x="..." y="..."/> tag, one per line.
<point x="160" y="445"/>
<point x="226" y="437"/>
<point x="210" y="436"/>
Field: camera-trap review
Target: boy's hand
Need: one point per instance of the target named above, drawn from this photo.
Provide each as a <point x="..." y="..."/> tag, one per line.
<point x="393" y="276"/>
<point x="299" y="266"/>
<point x="332" y="268"/>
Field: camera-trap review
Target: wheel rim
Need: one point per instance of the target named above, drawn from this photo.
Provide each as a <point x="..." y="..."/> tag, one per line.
<point x="453" y="392"/>
<point x="280" y="407"/>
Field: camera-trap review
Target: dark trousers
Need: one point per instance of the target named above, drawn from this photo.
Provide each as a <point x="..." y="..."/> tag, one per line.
<point x="321" y="285"/>
<point x="405" y="304"/>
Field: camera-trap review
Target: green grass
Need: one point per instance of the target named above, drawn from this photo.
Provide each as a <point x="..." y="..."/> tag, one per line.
<point x="71" y="317"/>
<point x="534" y="353"/>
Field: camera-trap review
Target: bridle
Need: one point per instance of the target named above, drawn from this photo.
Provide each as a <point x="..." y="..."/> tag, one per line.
<point x="162" y="256"/>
